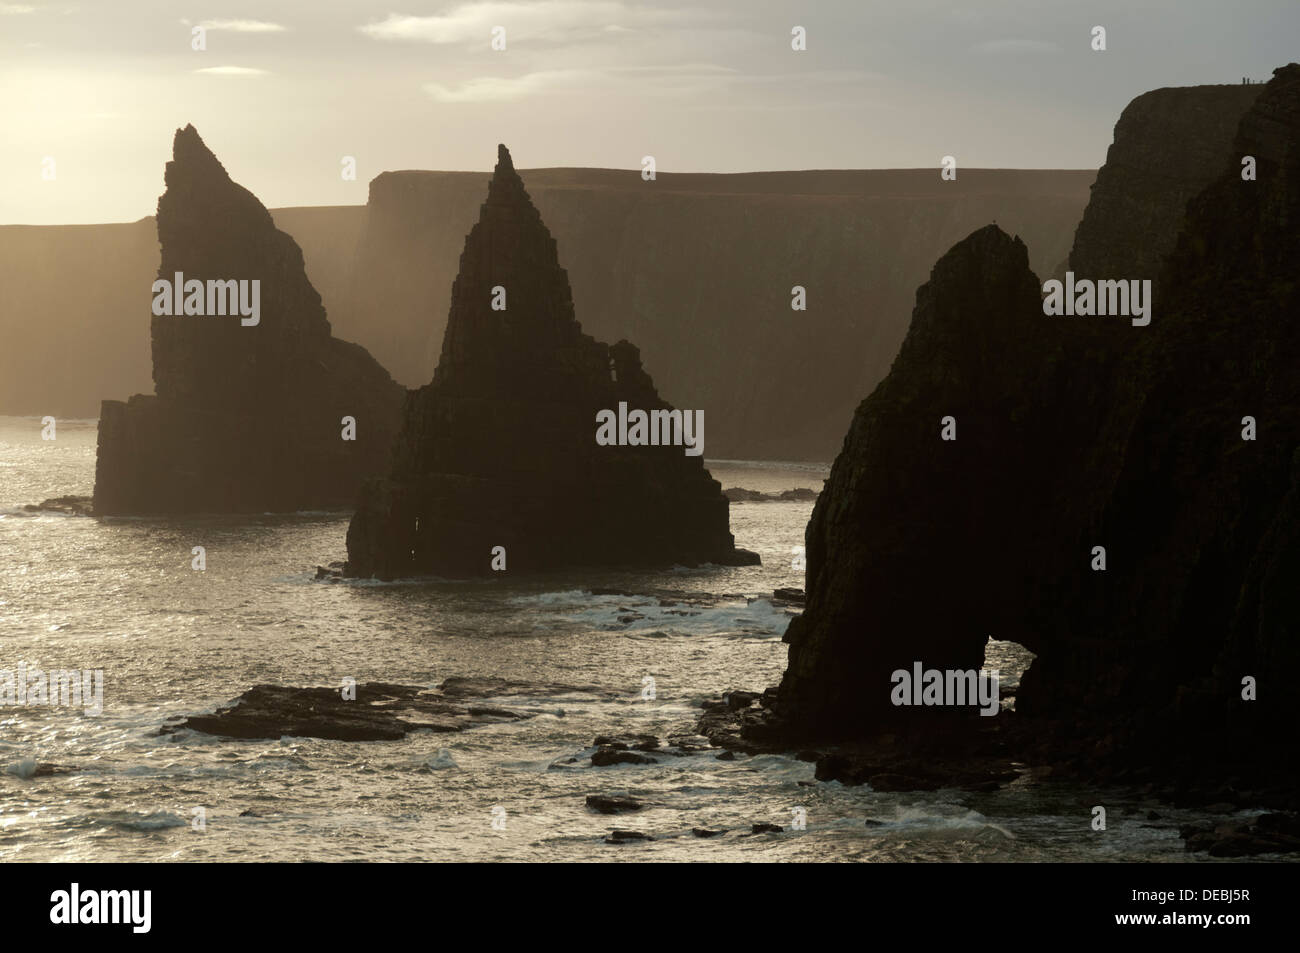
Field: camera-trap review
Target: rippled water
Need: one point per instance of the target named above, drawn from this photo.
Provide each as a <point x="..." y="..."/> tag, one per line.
<point x="119" y="595"/>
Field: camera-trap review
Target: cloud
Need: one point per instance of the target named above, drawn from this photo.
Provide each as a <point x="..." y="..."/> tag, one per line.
<point x="495" y="89"/>
<point x="557" y="20"/>
<point x="685" y="79"/>
<point x="998" y="47"/>
<point x="242" y="26"/>
<point x="15" y="8"/>
<point x="232" y="71"/>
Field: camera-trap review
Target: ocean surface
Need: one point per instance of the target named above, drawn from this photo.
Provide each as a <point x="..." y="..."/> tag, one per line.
<point x="119" y="595"/>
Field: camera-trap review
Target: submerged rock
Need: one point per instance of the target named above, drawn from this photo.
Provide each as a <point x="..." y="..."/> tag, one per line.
<point x="607" y="755"/>
<point x="500" y="449"/>
<point x="626" y="837"/>
<point x="612" y="804"/>
<point x="245" y="417"/>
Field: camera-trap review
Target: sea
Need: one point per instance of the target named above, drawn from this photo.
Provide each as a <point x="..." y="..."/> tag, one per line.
<point x="631" y="653"/>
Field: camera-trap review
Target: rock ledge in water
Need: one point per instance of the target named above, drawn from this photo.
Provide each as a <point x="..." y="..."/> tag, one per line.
<point x="380" y="712"/>
<point x="67" y="505"/>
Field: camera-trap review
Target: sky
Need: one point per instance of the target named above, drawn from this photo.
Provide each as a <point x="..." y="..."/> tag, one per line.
<point x="284" y="91"/>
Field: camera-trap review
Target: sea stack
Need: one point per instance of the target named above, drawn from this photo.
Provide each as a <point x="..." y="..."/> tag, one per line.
<point x="1124" y="501"/>
<point x="497" y="466"/>
<point x="249" y="408"/>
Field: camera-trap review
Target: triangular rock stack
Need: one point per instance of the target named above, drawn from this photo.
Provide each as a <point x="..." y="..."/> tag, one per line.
<point x="500" y="450"/>
<point x="247" y="418"/>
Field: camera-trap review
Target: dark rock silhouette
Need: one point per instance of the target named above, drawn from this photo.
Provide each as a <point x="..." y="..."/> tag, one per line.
<point x="899" y="567"/>
<point x="1169" y="145"/>
<point x="245" y="418"/>
<point x="500" y="448"/>
<point x="1073" y="433"/>
<point x="738" y="494"/>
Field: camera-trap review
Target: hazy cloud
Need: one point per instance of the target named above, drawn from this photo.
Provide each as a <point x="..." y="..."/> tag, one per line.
<point x="242" y="26"/>
<point x="689" y="77"/>
<point x="496" y="89"/>
<point x="566" y="20"/>
<point x="232" y="71"/>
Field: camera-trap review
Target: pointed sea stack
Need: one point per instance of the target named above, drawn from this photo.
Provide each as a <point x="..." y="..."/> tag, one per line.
<point x="916" y="541"/>
<point x="500" y="448"/>
<point x="247" y="417"/>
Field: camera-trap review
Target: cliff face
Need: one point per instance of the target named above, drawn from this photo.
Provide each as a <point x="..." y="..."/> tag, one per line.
<point x="1074" y="433"/>
<point x="67" y="343"/>
<point x="698" y="270"/>
<point x="1153" y="168"/>
<point x="695" y="268"/>
<point x="1204" y="521"/>
<point x="500" y="448"/>
<point x="246" y="417"/>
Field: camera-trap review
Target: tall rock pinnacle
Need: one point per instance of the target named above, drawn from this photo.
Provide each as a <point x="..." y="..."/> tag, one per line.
<point x="500" y="449"/>
<point x="251" y="388"/>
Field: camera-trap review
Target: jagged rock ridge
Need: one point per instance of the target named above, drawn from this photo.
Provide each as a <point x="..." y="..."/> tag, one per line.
<point x="499" y="449"/>
<point x="245" y="418"/>
<point x="920" y="549"/>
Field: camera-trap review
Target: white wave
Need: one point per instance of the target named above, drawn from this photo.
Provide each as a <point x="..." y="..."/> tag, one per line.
<point x="440" y="761"/>
<point x="567" y="597"/>
<point x="649" y="616"/>
<point x="153" y="821"/>
<point x="20" y="510"/>
<point x="928" y="822"/>
<point x="24" y="768"/>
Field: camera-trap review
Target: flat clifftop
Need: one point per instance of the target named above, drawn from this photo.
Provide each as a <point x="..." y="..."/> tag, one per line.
<point x="893" y="183"/>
